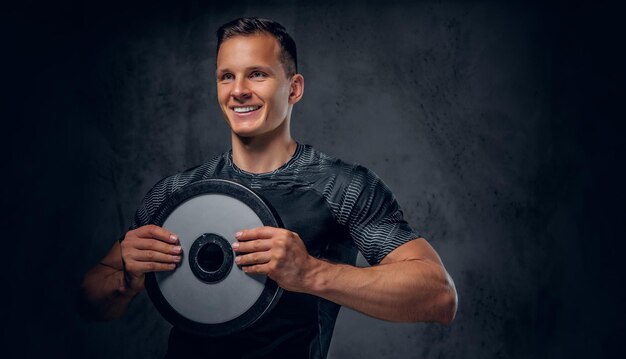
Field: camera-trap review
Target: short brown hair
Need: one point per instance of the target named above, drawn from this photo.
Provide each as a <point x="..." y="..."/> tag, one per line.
<point x="246" y="26"/>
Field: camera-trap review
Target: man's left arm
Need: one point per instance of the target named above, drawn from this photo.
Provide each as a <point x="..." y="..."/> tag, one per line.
<point x="410" y="284"/>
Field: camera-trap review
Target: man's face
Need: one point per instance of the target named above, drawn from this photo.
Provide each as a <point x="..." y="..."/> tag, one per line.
<point x="253" y="90"/>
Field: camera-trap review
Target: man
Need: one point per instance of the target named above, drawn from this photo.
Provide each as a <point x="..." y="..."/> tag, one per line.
<point x="329" y="208"/>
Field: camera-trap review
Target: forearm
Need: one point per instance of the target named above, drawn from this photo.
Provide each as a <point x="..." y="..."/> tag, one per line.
<point x="405" y="291"/>
<point x="109" y="287"/>
<point x="104" y="293"/>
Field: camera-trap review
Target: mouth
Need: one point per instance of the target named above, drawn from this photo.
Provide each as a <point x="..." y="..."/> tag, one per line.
<point x="245" y="109"/>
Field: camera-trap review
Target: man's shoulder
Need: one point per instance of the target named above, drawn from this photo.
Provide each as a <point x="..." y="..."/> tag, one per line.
<point x="326" y="162"/>
<point x="171" y="183"/>
<point x="339" y="174"/>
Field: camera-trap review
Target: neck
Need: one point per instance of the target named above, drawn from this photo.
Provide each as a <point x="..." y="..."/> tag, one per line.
<point x="265" y="153"/>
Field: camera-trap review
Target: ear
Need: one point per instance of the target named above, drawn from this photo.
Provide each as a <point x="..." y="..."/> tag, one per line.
<point x="296" y="90"/>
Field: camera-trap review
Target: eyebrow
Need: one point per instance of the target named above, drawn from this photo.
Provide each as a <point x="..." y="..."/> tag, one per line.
<point x="267" y="69"/>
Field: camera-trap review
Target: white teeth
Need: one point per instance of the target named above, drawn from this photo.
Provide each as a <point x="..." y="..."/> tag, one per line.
<point x="245" y="109"/>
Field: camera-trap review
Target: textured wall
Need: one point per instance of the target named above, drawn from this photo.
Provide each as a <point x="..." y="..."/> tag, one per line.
<point x="484" y="119"/>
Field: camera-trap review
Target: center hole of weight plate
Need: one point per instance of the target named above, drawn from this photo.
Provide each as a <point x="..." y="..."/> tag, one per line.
<point x="210" y="257"/>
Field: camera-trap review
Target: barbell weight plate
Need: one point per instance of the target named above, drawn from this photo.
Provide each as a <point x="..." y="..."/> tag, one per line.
<point x="208" y="294"/>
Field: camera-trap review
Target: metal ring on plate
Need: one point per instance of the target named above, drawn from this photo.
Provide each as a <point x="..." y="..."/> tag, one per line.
<point x="208" y="294"/>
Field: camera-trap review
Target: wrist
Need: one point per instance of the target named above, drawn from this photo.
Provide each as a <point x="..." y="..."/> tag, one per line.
<point x="317" y="276"/>
<point x="125" y="287"/>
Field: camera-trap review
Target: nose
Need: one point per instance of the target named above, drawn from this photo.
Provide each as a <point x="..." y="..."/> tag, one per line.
<point x="240" y="90"/>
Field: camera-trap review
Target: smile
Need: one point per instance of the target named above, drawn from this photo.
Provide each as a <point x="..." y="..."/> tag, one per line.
<point x="245" y="109"/>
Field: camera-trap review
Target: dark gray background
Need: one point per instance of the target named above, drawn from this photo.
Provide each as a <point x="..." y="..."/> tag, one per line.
<point x="495" y="125"/>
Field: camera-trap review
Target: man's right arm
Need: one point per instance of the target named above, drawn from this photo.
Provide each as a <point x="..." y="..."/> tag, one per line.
<point x="109" y="287"/>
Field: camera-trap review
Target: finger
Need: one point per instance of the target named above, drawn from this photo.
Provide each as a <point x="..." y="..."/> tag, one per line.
<point x="155" y="245"/>
<point x="252" y="246"/>
<point x="253" y="258"/>
<point x="144" y="267"/>
<point x="257" y="233"/>
<point x="160" y="233"/>
<point x="154" y="256"/>
<point x="256" y="269"/>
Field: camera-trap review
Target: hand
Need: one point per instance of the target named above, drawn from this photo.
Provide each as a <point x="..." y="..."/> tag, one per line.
<point x="278" y="253"/>
<point x="147" y="249"/>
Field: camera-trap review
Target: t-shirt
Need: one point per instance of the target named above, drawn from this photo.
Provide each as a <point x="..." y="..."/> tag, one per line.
<point x="336" y="208"/>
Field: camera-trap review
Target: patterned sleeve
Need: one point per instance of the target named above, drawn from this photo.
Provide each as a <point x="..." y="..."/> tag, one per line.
<point x="166" y="186"/>
<point x="150" y="203"/>
<point x="373" y="216"/>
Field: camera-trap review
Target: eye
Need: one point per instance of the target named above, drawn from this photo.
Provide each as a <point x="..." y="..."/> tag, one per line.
<point x="226" y="77"/>
<point x="258" y="75"/>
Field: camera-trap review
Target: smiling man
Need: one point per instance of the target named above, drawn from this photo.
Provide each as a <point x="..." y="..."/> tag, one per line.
<point x="330" y="209"/>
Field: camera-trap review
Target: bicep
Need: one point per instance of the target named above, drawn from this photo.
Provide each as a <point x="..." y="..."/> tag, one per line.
<point x="416" y="249"/>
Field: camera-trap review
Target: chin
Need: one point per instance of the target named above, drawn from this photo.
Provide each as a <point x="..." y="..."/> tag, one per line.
<point x="242" y="129"/>
<point x="244" y="132"/>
